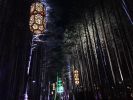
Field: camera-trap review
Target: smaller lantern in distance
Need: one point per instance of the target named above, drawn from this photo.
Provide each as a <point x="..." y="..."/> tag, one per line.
<point x="53" y="85"/>
<point x="76" y="77"/>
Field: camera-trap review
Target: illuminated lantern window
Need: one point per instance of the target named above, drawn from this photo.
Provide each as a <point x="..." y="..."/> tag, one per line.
<point x="77" y="82"/>
<point x="37" y="21"/>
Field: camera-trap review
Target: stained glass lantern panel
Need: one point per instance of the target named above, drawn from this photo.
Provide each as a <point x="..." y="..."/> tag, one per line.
<point x="37" y="21"/>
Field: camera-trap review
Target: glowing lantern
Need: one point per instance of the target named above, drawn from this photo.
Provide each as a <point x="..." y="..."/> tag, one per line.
<point x="37" y="21"/>
<point x="53" y="86"/>
<point x="76" y="77"/>
<point x="60" y="88"/>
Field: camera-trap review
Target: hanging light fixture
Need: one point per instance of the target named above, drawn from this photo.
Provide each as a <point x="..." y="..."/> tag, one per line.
<point x="37" y="21"/>
<point x="76" y="77"/>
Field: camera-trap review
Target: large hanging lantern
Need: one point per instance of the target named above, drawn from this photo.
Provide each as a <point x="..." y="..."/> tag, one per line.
<point x="37" y="21"/>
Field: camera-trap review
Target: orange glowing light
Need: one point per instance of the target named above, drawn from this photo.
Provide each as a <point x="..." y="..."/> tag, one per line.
<point x="37" y="21"/>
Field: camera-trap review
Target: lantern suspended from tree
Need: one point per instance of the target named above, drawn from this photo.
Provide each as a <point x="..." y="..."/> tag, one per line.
<point x="60" y="88"/>
<point x="76" y="77"/>
<point x="37" y="21"/>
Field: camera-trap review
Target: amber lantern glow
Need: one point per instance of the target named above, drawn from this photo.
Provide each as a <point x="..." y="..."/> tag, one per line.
<point x="76" y="77"/>
<point x="37" y="21"/>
